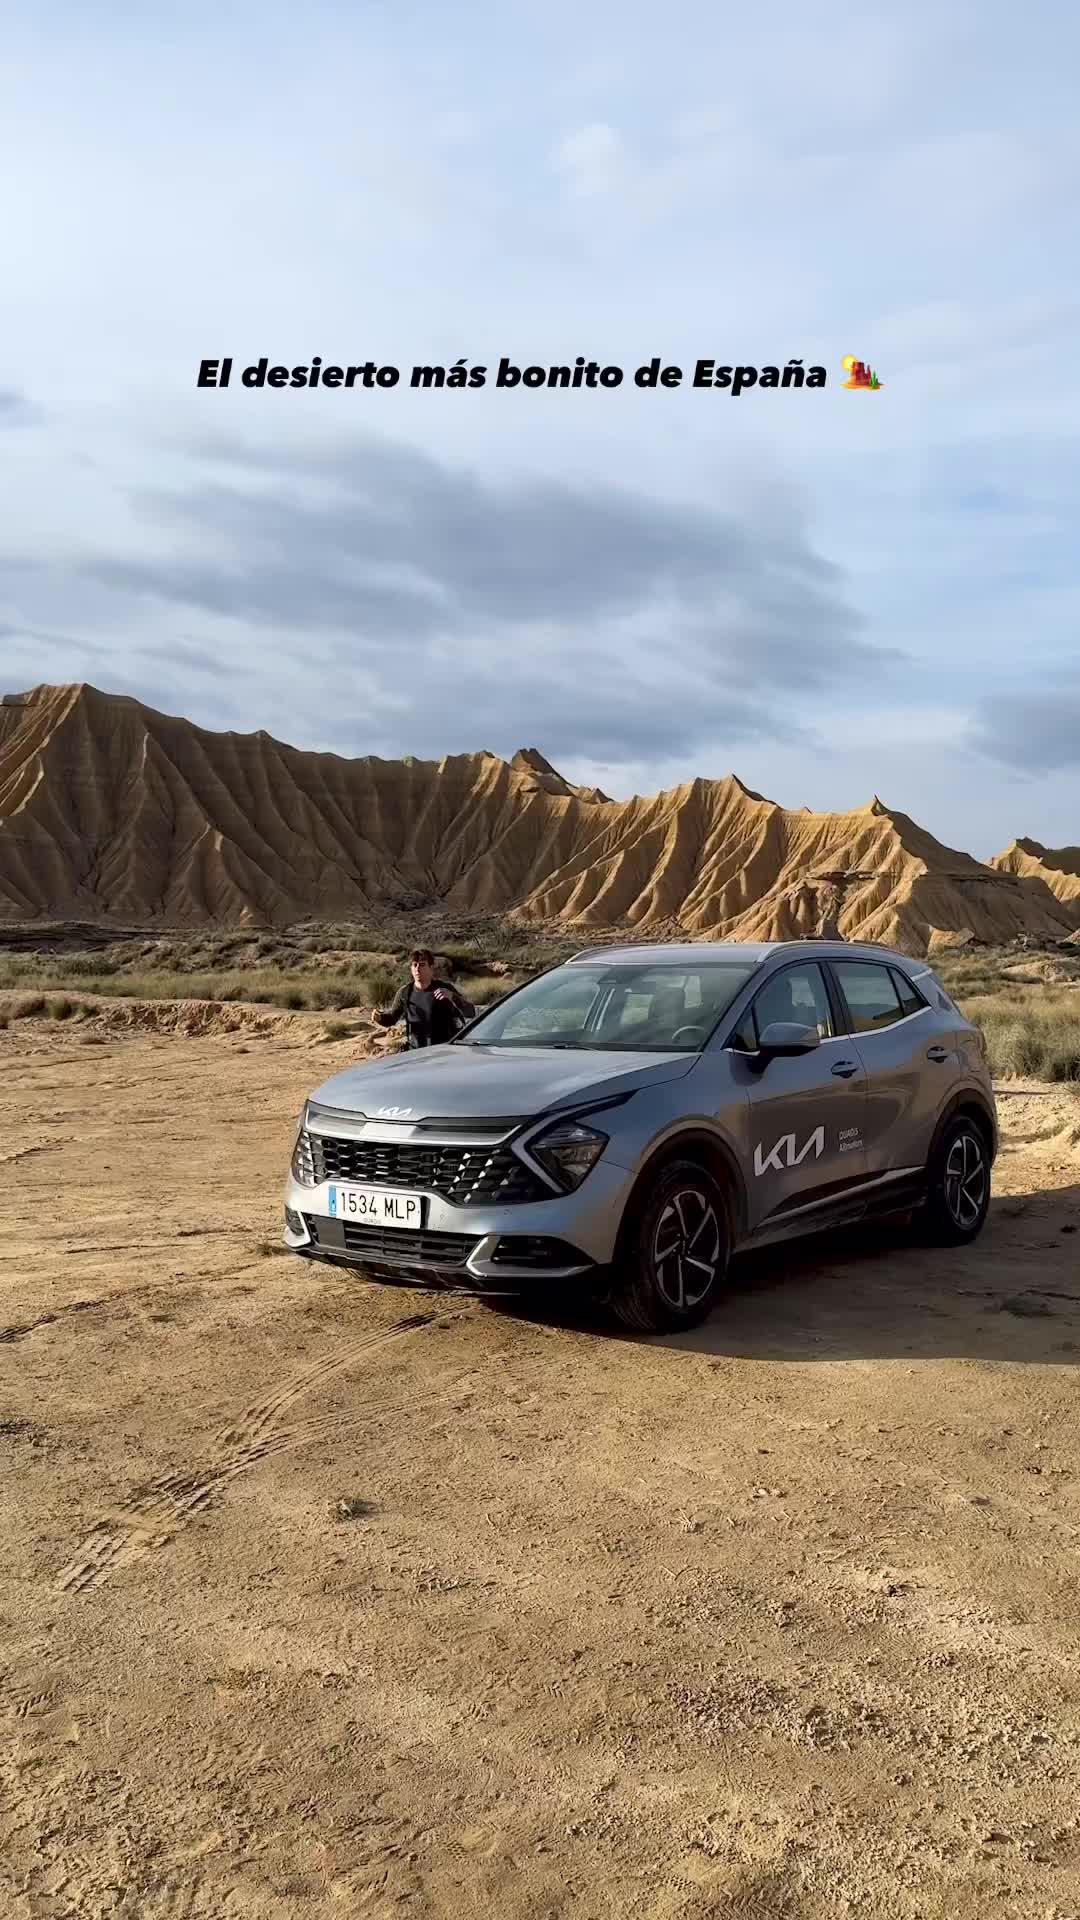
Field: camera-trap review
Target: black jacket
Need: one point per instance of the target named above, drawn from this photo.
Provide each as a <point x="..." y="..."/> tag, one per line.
<point x="428" y="1022"/>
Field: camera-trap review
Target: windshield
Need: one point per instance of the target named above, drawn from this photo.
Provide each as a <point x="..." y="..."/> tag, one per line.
<point x="625" y="1007"/>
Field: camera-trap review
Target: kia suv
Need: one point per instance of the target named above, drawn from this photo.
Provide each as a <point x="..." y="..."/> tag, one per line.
<point x="630" y="1119"/>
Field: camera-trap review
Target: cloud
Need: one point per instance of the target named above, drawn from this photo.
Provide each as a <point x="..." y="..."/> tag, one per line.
<point x="16" y="410"/>
<point x="598" y="619"/>
<point x="967" y="177"/>
<point x="570" y="180"/>
<point x="961" y="333"/>
<point x="591" y="161"/>
<point x="1036" y="732"/>
<point x="194" y="659"/>
<point x="24" y="639"/>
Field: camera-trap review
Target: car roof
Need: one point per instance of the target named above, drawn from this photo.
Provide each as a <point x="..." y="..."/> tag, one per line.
<point x="747" y="953"/>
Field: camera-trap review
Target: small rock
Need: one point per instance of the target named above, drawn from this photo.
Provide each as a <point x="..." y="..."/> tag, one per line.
<point x="350" y="1509"/>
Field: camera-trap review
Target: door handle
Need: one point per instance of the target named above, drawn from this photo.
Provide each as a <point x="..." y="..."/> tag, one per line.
<point x="844" y="1069"/>
<point x="937" y="1053"/>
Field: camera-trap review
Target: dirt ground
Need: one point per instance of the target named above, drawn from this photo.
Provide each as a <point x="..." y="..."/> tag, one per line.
<point x="326" y="1599"/>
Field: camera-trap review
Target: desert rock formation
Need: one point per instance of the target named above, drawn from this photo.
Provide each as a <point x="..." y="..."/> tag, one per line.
<point x="1057" y="867"/>
<point x="112" y="811"/>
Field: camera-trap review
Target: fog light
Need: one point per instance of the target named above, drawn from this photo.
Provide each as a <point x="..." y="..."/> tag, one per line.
<point x="293" y="1221"/>
<point x="535" y="1251"/>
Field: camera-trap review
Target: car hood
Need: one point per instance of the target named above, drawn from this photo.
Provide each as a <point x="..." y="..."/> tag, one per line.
<point x="467" y="1082"/>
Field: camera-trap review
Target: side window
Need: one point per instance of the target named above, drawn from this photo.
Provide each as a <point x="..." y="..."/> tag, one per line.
<point x="744" y="1038"/>
<point x="796" y="996"/>
<point x="910" y="997"/>
<point x="870" y="994"/>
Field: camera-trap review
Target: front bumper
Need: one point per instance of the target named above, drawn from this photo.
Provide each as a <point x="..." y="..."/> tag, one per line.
<point x="480" y="1248"/>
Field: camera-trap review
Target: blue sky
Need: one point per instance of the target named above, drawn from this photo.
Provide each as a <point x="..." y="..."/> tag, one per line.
<point x="832" y="594"/>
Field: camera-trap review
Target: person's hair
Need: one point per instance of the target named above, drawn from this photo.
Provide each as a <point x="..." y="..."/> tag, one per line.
<point x="422" y="954"/>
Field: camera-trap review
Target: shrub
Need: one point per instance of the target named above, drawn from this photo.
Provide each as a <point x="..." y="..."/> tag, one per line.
<point x="1031" y="1033"/>
<point x="461" y="956"/>
<point x="78" y="966"/>
<point x="29" y="1007"/>
<point x="485" y="988"/>
<point x="381" y="983"/>
<point x="335" y="997"/>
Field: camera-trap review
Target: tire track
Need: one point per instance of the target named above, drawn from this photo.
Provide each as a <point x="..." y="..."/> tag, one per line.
<point x="255" y="1419"/>
<point x="154" y="1515"/>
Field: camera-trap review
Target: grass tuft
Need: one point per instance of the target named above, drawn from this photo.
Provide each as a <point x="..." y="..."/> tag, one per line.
<point x="30" y="1007"/>
<point x="1031" y="1034"/>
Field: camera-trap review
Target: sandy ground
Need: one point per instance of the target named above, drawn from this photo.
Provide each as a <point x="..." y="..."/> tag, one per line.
<point x="775" y="1620"/>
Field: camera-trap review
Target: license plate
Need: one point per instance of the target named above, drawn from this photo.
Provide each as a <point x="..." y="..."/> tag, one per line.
<point x="378" y="1206"/>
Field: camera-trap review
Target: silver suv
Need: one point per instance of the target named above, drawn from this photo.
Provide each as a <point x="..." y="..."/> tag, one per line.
<point x="630" y="1119"/>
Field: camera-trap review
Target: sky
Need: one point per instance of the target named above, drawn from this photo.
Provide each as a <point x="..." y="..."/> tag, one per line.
<point x="832" y="594"/>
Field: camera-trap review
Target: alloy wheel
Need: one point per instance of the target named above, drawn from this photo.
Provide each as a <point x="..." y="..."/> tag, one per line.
<point x="686" y="1249"/>
<point x="965" y="1180"/>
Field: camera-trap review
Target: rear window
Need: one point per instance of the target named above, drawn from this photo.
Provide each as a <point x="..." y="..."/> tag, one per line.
<point x="910" y="998"/>
<point x="936" y="991"/>
<point x="871" y="995"/>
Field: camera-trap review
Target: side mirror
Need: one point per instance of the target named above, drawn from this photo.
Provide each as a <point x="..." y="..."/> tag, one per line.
<point x="785" y="1040"/>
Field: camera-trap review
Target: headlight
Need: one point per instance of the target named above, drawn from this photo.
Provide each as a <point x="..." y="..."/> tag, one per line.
<point x="568" y="1151"/>
<point x="303" y="1159"/>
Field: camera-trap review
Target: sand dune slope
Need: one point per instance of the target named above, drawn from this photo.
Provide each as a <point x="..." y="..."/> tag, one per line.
<point x="111" y="810"/>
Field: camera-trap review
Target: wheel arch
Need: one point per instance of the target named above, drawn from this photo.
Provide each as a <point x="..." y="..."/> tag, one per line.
<point x="709" y="1151"/>
<point x="967" y="1103"/>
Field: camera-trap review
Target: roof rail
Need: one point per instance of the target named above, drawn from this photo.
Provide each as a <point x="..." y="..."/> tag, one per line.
<point x="836" y="940"/>
<point x="587" y="953"/>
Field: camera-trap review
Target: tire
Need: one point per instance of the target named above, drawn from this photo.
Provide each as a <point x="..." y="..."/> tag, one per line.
<point x="658" y="1292"/>
<point x="958" y="1185"/>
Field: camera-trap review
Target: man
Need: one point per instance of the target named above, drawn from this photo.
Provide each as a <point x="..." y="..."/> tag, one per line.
<point x="432" y="1010"/>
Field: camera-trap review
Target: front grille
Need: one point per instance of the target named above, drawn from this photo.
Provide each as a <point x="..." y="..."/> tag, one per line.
<point x="392" y="1246"/>
<point x="465" y="1176"/>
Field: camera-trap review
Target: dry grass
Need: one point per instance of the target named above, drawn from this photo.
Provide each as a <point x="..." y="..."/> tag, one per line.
<point x="328" y="970"/>
<point x="1026" y="1002"/>
<point x="338" y="1030"/>
<point x="486" y="988"/>
<point x="1033" y="1033"/>
<point x="362" y="989"/>
<point x="36" y="1006"/>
